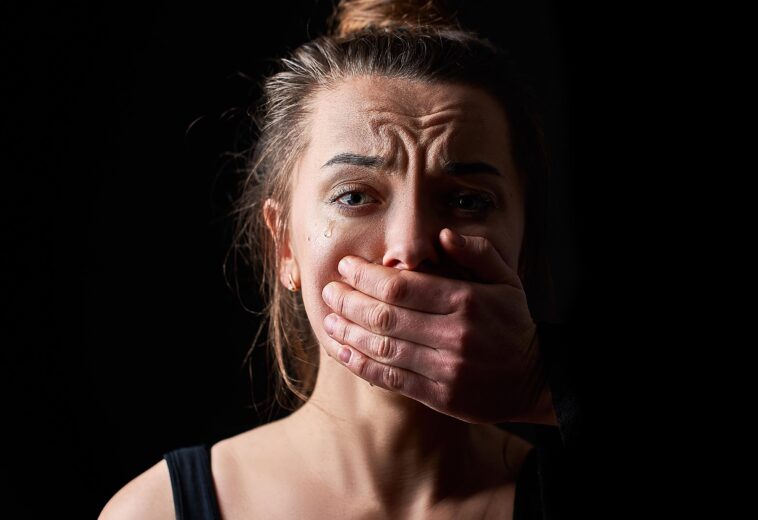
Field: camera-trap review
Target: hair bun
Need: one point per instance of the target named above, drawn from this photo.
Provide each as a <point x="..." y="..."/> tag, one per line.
<point x="355" y="15"/>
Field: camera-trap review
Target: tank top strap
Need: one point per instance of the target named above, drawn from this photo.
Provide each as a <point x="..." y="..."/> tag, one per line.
<point x="192" y="483"/>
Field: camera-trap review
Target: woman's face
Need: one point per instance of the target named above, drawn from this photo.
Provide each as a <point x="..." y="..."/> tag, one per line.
<point x="390" y="163"/>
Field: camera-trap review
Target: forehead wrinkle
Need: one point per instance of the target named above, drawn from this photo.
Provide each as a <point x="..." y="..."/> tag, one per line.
<point x="396" y="121"/>
<point x="403" y="146"/>
<point x="453" y="112"/>
<point x="391" y="148"/>
<point x="443" y="117"/>
<point x="435" y="134"/>
<point x="422" y="130"/>
<point x="439" y="145"/>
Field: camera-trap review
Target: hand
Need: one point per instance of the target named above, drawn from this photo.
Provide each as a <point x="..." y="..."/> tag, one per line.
<point x="466" y="349"/>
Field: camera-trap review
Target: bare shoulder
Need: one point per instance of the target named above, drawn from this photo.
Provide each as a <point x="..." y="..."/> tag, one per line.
<point x="260" y="447"/>
<point x="148" y="496"/>
<point x="254" y="472"/>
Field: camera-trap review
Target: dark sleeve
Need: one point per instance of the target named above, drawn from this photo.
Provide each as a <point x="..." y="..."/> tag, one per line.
<point x="559" y="448"/>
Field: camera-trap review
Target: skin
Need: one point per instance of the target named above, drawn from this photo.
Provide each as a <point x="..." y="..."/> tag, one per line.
<point x="393" y="455"/>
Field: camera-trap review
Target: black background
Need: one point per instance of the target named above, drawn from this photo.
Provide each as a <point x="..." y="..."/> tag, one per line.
<point x="125" y="340"/>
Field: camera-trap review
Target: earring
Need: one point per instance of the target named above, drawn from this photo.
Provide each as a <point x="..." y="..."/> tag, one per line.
<point x="291" y="286"/>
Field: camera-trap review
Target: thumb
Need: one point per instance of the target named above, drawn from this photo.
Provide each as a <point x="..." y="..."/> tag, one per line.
<point x="479" y="256"/>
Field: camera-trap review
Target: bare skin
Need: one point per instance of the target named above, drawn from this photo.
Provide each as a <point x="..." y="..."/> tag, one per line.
<point x="356" y="450"/>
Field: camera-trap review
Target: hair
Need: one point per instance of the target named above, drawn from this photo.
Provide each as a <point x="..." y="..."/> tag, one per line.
<point x="411" y="39"/>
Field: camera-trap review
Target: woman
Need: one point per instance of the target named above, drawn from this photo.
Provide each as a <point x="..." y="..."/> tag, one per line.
<point x="394" y="195"/>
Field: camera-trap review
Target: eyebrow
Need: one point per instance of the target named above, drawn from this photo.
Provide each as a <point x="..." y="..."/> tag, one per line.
<point x="354" y="160"/>
<point x="451" y="168"/>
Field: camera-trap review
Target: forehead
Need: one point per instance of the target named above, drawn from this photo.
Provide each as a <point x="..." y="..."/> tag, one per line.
<point x="365" y="111"/>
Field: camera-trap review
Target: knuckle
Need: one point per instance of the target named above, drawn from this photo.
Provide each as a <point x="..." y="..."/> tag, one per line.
<point x="393" y="289"/>
<point x="358" y="276"/>
<point x="380" y="319"/>
<point x="345" y="332"/>
<point x="359" y="365"/>
<point x="339" y="302"/>
<point x="466" y="301"/>
<point x="452" y="367"/>
<point x="461" y="336"/>
<point x="391" y="377"/>
<point x="385" y="348"/>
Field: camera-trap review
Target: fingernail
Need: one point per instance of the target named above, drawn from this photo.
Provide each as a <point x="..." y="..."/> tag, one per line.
<point x="457" y="239"/>
<point x="345" y="354"/>
<point x="344" y="266"/>
<point x="329" y="323"/>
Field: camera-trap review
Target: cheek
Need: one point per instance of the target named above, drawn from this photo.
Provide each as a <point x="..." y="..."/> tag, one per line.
<point x="327" y="240"/>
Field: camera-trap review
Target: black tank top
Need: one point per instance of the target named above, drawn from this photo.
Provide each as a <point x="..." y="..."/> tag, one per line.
<point x="192" y="483"/>
<point x="195" y="497"/>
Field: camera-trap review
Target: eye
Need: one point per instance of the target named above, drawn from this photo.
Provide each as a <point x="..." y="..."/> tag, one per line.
<point x="353" y="198"/>
<point x="472" y="203"/>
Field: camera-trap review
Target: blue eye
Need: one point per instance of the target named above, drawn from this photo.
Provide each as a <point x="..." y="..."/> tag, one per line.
<point x="352" y="198"/>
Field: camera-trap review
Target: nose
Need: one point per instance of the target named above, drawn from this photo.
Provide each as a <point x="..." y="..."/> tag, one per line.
<point x="412" y="238"/>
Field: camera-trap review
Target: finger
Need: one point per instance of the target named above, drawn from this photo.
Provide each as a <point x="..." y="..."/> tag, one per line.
<point x="480" y="256"/>
<point x="429" y="362"/>
<point x="401" y="287"/>
<point x="386" y="319"/>
<point x="395" y="379"/>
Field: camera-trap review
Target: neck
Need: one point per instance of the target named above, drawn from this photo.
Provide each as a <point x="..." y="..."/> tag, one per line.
<point x="378" y="443"/>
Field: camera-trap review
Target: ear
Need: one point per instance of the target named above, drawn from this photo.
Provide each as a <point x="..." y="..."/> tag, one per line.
<point x="272" y="214"/>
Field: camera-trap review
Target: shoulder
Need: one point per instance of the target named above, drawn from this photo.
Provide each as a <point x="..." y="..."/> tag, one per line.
<point x="263" y="448"/>
<point x="256" y="473"/>
<point x="148" y="496"/>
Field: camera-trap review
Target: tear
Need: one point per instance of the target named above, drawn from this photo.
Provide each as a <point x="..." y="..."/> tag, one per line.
<point x="328" y="230"/>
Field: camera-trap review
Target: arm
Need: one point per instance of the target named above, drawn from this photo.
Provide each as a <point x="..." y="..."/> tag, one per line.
<point x="146" y="497"/>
